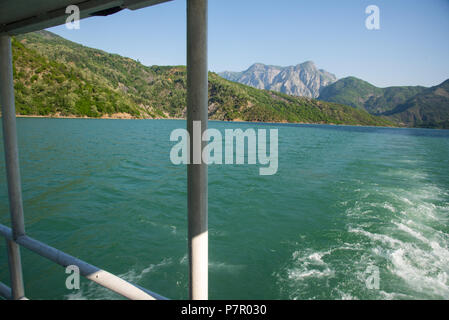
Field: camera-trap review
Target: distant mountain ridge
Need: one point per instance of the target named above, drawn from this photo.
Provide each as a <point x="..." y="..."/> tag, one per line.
<point x="363" y="95"/>
<point x="57" y="77"/>
<point x="415" y="106"/>
<point x="429" y="108"/>
<point x="304" y="79"/>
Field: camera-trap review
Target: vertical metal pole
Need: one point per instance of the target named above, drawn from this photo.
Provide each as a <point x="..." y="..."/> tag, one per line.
<point x="197" y="110"/>
<point x="12" y="164"/>
<point x="15" y="270"/>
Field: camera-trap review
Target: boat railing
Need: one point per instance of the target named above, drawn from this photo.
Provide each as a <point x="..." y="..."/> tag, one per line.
<point x="93" y="273"/>
<point x="197" y="187"/>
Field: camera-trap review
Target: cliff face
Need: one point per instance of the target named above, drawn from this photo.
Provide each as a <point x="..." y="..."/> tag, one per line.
<point x="304" y="79"/>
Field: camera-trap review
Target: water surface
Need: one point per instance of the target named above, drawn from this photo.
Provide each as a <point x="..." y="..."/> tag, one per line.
<point x="344" y="199"/>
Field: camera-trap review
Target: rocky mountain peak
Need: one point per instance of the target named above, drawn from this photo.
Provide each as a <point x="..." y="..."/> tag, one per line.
<point x="303" y="79"/>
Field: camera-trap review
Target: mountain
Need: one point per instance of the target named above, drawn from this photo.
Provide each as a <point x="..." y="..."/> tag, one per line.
<point x="57" y="77"/>
<point x="301" y="80"/>
<point x="408" y="105"/>
<point x="430" y="108"/>
<point x="360" y="94"/>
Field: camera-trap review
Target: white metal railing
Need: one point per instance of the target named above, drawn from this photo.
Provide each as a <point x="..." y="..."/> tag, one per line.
<point x="16" y="236"/>
<point x="102" y="277"/>
<point x="197" y="186"/>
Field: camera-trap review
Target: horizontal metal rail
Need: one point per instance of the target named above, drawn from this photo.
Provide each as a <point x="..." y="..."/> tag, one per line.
<point x="5" y="291"/>
<point x="197" y="186"/>
<point x="95" y="274"/>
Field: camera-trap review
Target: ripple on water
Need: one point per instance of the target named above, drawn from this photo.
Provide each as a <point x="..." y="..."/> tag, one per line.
<point x="402" y="231"/>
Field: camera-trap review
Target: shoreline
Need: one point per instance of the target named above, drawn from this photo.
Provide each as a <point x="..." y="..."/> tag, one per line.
<point x="129" y="117"/>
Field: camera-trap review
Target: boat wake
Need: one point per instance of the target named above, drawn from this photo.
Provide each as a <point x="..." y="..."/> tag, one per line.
<point x="401" y="231"/>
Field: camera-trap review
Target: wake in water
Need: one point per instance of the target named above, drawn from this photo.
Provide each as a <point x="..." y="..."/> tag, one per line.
<point x="92" y="291"/>
<point x="415" y="241"/>
<point x="401" y="231"/>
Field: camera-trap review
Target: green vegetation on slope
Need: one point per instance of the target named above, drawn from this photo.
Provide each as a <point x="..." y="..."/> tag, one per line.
<point x="360" y="94"/>
<point x="408" y="106"/>
<point x="44" y="86"/>
<point x="429" y="108"/>
<point x="56" y="76"/>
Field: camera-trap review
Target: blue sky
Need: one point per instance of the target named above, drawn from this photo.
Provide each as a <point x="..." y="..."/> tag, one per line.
<point x="411" y="47"/>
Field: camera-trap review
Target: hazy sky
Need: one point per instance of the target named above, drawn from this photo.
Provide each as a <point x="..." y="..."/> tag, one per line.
<point x="411" y="47"/>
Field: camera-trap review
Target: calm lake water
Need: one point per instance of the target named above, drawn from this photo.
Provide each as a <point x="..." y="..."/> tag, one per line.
<point x="345" y="201"/>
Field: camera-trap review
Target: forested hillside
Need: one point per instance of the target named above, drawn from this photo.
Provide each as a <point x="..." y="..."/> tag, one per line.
<point x="54" y="76"/>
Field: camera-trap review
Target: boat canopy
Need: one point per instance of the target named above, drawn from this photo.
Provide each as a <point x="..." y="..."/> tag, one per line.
<point x="22" y="16"/>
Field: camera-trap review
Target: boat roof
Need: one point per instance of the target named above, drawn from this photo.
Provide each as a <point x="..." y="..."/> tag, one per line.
<point x="22" y="16"/>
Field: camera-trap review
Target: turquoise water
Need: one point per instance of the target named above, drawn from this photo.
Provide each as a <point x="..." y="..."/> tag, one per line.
<point x="344" y="199"/>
